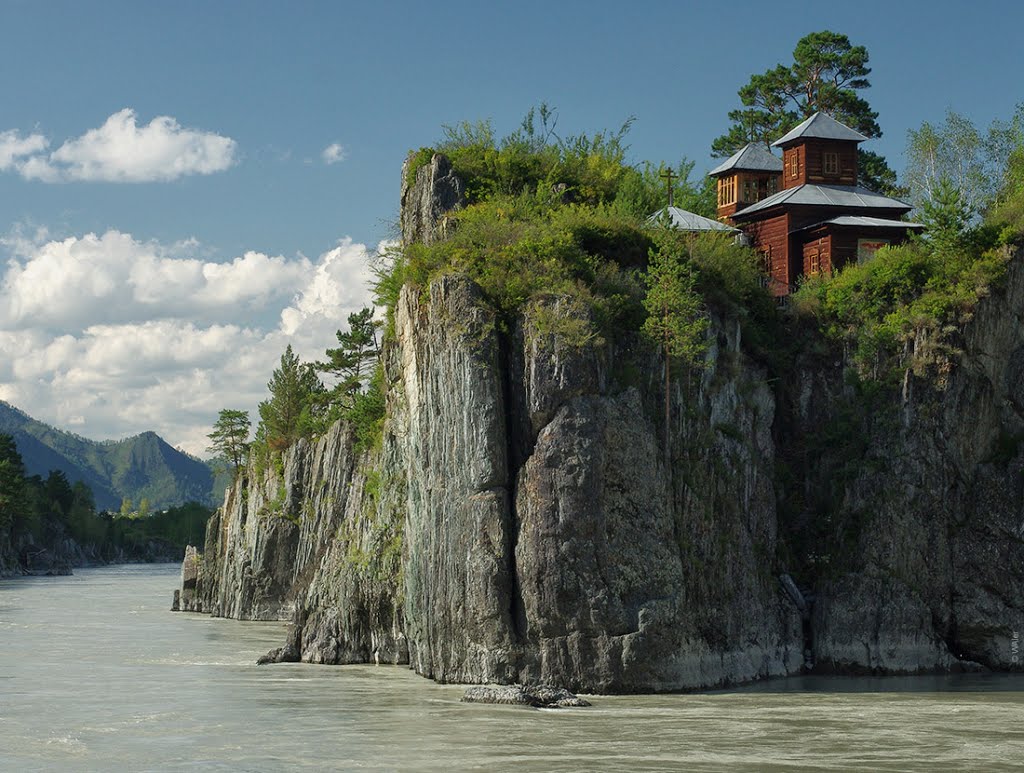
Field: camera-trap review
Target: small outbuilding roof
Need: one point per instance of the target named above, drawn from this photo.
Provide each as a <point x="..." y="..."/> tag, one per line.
<point x="848" y="196"/>
<point x="753" y="157"/>
<point x="862" y="221"/>
<point x="688" y="221"/>
<point x="821" y="126"/>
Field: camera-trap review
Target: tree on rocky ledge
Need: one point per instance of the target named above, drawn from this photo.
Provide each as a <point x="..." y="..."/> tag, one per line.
<point x="288" y="414"/>
<point x="230" y="437"/>
<point x="352" y="362"/>
<point x="676" y="322"/>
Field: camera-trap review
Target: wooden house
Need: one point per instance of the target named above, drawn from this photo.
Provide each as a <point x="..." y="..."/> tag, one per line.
<point x="819" y="218"/>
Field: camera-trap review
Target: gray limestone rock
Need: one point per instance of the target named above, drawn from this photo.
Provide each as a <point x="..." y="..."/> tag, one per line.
<point x="520" y="520"/>
<point x="536" y="696"/>
<point x="435" y="191"/>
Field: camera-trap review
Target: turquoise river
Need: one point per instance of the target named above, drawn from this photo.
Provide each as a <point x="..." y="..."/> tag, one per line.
<point x="96" y="674"/>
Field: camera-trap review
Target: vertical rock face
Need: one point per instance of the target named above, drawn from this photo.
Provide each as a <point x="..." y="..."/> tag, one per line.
<point x="519" y="522"/>
<point x="427" y="194"/>
<point x="634" y="576"/>
<point x="529" y="516"/>
<point x="934" y="572"/>
<point x="264" y="543"/>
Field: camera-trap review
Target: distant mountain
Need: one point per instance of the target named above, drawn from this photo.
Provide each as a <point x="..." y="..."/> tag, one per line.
<point x="140" y="467"/>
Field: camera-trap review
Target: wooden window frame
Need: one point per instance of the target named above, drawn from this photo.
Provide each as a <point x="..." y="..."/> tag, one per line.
<point x="727" y="191"/>
<point x="830" y="163"/>
<point x="794" y="164"/>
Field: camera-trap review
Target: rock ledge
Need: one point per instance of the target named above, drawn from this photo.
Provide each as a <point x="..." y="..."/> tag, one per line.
<point x="538" y="696"/>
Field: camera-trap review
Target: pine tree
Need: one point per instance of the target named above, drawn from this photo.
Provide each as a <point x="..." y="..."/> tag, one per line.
<point x="12" y="481"/>
<point x="826" y="73"/>
<point x="230" y="437"/>
<point x="352" y="362"/>
<point x="676" y="321"/>
<point x="289" y="413"/>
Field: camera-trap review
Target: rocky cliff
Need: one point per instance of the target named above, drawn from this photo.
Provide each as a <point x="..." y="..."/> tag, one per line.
<point x="921" y="509"/>
<point x="521" y="521"/>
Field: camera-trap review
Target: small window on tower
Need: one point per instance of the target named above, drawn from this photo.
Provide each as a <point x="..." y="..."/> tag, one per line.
<point x="830" y="163"/>
<point x="750" y="191"/>
<point x="794" y="164"/>
<point x="726" y="191"/>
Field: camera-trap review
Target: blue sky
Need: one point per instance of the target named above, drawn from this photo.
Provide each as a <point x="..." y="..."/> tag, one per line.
<point x="254" y="93"/>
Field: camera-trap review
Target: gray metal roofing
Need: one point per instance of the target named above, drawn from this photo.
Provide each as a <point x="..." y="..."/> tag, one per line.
<point x="753" y="156"/>
<point x="826" y="196"/>
<point x="689" y="221"/>
<point x="822" y="126"/>
<point x="872" y="222"/>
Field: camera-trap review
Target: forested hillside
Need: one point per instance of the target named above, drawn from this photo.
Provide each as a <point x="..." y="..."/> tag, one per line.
<point x="138" y="468"/>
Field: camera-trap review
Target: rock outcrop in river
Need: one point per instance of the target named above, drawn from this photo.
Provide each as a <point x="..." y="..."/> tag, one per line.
<point x="519" y="522"/>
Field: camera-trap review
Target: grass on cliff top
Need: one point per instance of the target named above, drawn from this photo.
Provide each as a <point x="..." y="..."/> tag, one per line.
<point x="590" y="167"/>
<point x="908" y="305"/>
<point x="518" y="248"/>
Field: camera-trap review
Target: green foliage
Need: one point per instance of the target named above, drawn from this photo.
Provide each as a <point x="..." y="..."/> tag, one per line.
<point x="51" y="509"/>
<point x="230" y="437"/>
<point x="367" y="411"/>
<point x="906" y="301"/>
<point x="531" y="159"/>
<point x="643" y="191"/>
<point x="351" y="363"/>
<point x="826" y="75"/>
<point x="417" y="161"/>
<point x="517" y="247"/>
<point x="978" y="165"/>
<point x="676" y="321"/>
<point x="290" y="412"/>
<point x="12" y="481"/>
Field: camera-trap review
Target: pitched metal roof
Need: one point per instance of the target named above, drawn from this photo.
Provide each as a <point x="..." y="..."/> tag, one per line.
<point x="753" y="157"/>
<point x="822" y="126"/>
<point x="688" y="221"/>
<point x="862" y="221"/>
<point x="848" y="196"/>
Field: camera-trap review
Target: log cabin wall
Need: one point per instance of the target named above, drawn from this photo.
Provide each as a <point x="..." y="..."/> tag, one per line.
<point x="817" y="255"/>
<point x="840" y="169"/>
<point x="794" y="166"/>
<point x="771" y="237"/>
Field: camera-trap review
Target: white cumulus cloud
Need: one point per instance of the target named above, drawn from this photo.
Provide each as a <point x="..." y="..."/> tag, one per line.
<point x="117" y="336"/>
<point x="334" y="153"/>
<point x="120" y="151"/>
<point x="14" y="148"/>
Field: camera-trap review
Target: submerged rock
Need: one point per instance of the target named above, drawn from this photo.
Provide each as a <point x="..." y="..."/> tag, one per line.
<point x="537" y="696"/>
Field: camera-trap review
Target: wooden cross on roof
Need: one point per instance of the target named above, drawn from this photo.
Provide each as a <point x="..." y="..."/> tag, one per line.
<point x="667" y="176"/>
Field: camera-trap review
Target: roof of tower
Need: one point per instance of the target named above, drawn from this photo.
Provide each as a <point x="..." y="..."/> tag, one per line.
<point x="752" y="157"/>
<point x="820" y="126"/>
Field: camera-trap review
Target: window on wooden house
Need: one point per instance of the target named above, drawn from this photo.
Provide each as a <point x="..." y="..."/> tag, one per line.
<point x="766" y="265"/>
<point x="830" y="163"/>
<point x="794" y="164"/>
<point x="816" y="260"/>
<point x="750" y="191"/>
<point x="773" y="185"/>
<point x="726" y="191"/>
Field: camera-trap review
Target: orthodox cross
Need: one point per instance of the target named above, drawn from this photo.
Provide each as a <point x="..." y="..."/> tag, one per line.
<point x="667" y="176"/>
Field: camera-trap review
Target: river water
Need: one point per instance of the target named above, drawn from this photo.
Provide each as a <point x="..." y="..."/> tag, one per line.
<point x="96" y="674"/>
